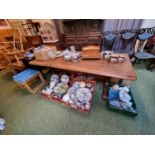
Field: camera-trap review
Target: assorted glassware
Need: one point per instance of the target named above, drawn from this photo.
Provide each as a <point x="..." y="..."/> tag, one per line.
<point x="112" y="57"/>
<point x="71" y="54"/>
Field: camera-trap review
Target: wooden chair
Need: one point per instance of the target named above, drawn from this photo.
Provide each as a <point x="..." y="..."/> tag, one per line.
<point x="128" y="39"/>
<point x="15" y="63"/>
<point x="139" y="53"/>
<point x="28" y="77"/>
<point x="108" y="40"/>
<point x="12" y="48"/>
<point x="11" y="38"/>
<point x="3" y="61"/>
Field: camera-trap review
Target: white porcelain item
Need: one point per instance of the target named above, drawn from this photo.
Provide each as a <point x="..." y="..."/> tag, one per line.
<point x="66" y="98"/>
<point x="2" y="121"/>
<point x="2" y="127"/>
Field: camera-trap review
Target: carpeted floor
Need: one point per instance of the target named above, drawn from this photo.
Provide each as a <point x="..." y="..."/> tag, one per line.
<point x="31" y="114"/>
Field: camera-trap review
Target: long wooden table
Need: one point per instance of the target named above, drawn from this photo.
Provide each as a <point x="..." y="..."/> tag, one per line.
<point x="95" y="67"/>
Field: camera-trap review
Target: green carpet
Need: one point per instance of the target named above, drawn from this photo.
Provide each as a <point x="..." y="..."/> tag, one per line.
<point x="31" y="114"/>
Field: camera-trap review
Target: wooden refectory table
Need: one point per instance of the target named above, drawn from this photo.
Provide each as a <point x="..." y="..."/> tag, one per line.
<point x="124" y="71"/>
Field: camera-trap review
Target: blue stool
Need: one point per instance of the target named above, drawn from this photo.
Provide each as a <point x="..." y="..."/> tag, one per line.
<point x="25" y="78"/>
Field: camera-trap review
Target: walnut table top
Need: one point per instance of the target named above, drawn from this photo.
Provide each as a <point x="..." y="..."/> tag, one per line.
<point x="95" y="67"/>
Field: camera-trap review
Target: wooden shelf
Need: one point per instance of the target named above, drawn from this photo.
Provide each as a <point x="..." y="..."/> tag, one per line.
<point x="81" y="32"/>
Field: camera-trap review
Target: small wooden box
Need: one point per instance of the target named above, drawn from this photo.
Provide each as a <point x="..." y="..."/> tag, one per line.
<point x="91" y="48"/>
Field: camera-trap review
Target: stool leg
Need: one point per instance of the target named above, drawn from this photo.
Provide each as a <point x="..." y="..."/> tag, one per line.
<point x="41" y="78"/>
<point x="40" y="85"/>
<point x="28" y="88"/>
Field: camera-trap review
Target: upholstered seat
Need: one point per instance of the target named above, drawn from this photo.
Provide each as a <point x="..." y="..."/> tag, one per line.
<point x="125" y="51"/>
<point x="27" y="77"/>
<point x="145" y="36"/>
<point x="144" y="55"/>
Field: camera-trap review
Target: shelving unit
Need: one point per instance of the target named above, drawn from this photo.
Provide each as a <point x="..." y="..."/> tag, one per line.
<point x="82" y="32"/>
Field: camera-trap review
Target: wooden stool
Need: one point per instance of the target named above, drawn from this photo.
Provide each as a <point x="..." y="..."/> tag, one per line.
<point x="25" y="78"/>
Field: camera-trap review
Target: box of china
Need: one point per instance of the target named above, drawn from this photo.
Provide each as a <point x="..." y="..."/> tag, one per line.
<point x="82" y="108"/>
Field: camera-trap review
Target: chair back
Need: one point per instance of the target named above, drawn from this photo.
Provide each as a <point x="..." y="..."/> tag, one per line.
<point x="128" y="39"/>
<point x="108" y="41"/>
<point x="143" y="36"/>
<point x="12" y="39"/>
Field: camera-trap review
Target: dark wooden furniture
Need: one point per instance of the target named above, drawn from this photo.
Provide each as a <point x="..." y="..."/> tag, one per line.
<point x="82" y="32"/>
<point x="33" y="41"/>
<point x="94" y="67"/>
<point x="31" y="28"/>
<point x="151" y="64"/>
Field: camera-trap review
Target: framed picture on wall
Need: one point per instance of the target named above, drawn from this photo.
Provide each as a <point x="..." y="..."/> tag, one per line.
<point x="48" y="32"/>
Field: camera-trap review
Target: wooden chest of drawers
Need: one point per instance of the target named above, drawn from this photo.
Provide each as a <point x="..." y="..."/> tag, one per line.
<point x="82" y="40"/>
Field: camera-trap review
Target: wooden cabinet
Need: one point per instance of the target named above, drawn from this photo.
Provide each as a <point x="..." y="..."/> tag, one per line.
<point x="81" y="32"/>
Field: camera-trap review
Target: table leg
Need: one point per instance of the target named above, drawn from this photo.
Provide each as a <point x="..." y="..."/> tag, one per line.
<point x="149" y="66"/>
<point x="120" y="81"/>
<point x="105" y="86"/>
<point x="134" y="62"/>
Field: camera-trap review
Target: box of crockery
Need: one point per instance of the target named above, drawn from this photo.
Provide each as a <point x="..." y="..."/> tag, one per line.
<point x="57" y="87"/>
<point x="77" y="94"/>
<point x="80" y="94"/>
<point x="120" y="99"/>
